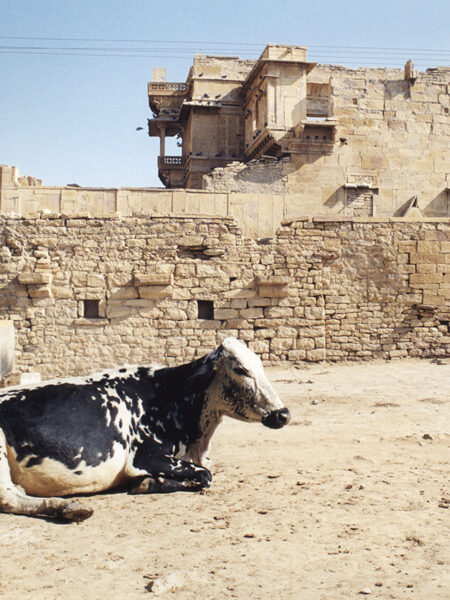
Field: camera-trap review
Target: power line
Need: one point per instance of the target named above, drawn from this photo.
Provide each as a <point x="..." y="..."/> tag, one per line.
<point x="229" y="45"/>
<point x="189" y="51"/>
<point x="105" y="49"/>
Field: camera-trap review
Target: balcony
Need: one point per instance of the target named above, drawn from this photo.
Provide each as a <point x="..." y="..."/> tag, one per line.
<point x="166" y="98"/>
<point x="171" y="170"/>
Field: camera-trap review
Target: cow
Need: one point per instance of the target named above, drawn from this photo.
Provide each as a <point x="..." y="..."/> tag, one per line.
<point x="145" y="428"/>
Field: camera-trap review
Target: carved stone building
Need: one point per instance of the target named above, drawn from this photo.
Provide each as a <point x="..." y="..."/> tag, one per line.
<point x="358" y="142"/>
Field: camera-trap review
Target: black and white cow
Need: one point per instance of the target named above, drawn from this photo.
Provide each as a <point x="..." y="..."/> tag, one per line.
<point x="146" y="427"/>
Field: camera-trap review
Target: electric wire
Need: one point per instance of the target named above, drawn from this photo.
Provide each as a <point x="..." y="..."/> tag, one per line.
<point x="180" y="49"/>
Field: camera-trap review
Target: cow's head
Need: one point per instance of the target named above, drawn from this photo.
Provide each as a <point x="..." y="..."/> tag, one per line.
<point x="244" y="391"/>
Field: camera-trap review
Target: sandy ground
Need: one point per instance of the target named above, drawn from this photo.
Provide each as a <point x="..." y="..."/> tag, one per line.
<point x="351" y="499"/>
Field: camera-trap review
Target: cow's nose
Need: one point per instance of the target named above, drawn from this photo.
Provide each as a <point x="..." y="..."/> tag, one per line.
<point x="277" y="418"/>
<point x="284" y="416"/>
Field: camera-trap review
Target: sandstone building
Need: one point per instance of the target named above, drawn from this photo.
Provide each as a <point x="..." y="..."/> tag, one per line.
<point x="307" y="215"/>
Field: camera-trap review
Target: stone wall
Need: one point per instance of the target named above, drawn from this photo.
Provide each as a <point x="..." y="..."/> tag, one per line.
<point x="390" y="130"/>
<point x="258" y="211"/>
<point x="86" y="293"/>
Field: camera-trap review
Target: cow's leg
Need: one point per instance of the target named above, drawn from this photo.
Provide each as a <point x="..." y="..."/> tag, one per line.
<point x="14" y="500"/>
<point x="160" y="473"/>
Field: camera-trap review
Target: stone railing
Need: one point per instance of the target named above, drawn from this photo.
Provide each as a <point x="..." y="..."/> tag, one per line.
<point x="171" y="161"/>
<point x="156" y="88"/>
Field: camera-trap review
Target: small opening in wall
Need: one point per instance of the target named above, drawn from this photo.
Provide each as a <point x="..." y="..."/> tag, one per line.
<point x="205" y="309"/>
<point x="91" y="309"/>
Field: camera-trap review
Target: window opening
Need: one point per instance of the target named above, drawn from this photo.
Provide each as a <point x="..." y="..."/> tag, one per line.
<point x="205" y="309"/>
<point x="91" y="309"/>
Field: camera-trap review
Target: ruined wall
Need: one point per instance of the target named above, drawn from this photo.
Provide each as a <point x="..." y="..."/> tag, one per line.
<point x="257" y="176"/>
<point x="85" y="293"/>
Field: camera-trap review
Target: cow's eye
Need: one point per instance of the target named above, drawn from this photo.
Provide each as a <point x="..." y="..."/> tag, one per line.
<point x="241" y="371"/>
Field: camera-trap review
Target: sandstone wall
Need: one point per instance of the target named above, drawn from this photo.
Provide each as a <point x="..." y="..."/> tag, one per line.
<point x="86" y="293"/>
<point x="392" y="132"/>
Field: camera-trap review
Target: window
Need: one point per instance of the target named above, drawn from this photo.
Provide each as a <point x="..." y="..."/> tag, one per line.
<point x="205" y="309"/>
<point x="91" y="309"/>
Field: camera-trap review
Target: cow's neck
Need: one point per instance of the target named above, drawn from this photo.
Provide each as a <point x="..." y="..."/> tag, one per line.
<point x="186" y="387"/>
<point x="209" y="420"/>
<point x="211" y="416"/>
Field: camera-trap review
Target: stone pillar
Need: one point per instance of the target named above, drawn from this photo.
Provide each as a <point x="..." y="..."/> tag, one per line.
<point x="162" y="140"/>
<point x="7" y="347"/>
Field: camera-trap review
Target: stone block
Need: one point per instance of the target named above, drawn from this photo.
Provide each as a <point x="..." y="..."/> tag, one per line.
<point x="40" y="291"/>
<point x="278" y="311"/>
<point x="148" y="279"/>
<point x="239" y="303"/>
<point x="314" y="312"/>
<point x="62" y="292"/>
<point x="204" y="270"/>
<point x="286" y="332"/>
<point x="316" y="355"/>
<point x="296" y="355"/>
<point x="259" y="346"/>
<point x="79" y="279"/>
<point x="175" y="314"/>
<point x="117" y="293"/>
<point x="190" y="241"/>
<point x="426" y="258"/>
<point x="238" y="324"/>
<point x="281" y="345"/>
<point x="251" y="313"/>
<point x="90" y="294"/>
<point x="225" y="313"/>
<point x="428" y="247"/>
<point x="273" y="291"/>
<point x="240" y="293"/>
<point x="154" y="291"/>
<point x="433" y="299"/>
<point x="304" y="344"/>
<point x="34" y="278"/>
<point x="259" y="302"/>
<point x="136" y="243"/>
<point x="265" y="333"/>
<point x="430" y="268"/>
<point x="407" y="246"/>
<point x="94" y="280"/>
<point x="114" y="311"/>
<point x="425" y="278"/>
<point x="183" y="271"/>
<point x="246" y="335"/>
<point x="311" y="332"/>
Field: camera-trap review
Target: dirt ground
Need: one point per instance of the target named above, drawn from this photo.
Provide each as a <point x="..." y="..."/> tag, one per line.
<point x="351" y="499"/>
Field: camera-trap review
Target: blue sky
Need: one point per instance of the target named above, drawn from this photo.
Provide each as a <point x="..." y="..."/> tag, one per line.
<point x="70" y="107"/>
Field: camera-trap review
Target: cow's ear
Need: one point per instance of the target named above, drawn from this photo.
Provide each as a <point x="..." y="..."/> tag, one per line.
<point x="221" y="353"/>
